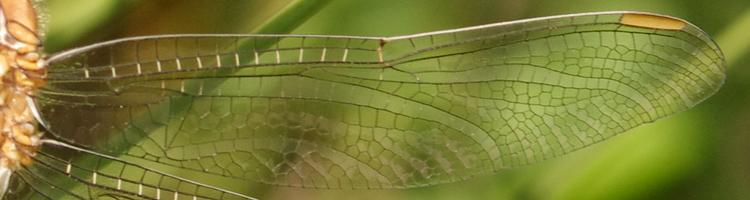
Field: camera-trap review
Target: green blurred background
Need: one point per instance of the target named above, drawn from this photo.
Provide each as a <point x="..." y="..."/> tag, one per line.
<point x="699" y="154"/>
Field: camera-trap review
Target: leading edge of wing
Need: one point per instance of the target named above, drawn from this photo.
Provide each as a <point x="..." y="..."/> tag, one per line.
<point x="72" y="52"/>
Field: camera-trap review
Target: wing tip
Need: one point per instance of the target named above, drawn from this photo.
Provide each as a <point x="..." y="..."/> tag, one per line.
<point x="654" y="21"/>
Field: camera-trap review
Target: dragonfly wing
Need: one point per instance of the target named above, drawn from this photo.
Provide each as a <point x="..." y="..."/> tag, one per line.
<point x="68" y="172"/>
<point x="358" y="112"/>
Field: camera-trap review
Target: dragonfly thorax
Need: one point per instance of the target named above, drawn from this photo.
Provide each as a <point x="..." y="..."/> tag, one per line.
<point x="21" y="69"/>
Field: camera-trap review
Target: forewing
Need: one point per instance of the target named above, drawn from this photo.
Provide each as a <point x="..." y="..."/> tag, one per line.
<point x="358" y="112"/>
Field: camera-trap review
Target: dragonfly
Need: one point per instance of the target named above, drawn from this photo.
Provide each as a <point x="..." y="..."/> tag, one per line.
<point x="173" y="116"/>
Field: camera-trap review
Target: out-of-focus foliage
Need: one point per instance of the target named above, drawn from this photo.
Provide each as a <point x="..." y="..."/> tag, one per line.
<point x="698" y="154"/>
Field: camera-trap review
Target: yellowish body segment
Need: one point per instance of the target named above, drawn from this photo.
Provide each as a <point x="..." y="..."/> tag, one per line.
<point x="21" y="74"/>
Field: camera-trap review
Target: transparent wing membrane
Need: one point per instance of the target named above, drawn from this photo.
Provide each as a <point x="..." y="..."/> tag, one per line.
<point x="364" y="112"/>
<point x="57" y="175"/>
